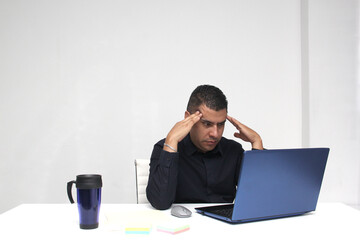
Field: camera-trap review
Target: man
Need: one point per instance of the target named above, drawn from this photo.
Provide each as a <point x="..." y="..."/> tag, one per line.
<point x="194" y="163"/>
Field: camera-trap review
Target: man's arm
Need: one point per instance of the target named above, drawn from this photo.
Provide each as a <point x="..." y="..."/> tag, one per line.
<point x="161" y="188"/>
<point x="180" y="130"/>
<point x="247" y="134"/>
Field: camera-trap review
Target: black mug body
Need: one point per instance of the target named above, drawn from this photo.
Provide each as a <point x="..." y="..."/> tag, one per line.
<point x="88" y="199"/>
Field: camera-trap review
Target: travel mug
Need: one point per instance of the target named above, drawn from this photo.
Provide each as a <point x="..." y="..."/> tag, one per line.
<point x="88" y="199"/>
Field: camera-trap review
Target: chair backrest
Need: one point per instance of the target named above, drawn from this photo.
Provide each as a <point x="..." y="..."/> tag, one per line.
<point x="142" y="175"/>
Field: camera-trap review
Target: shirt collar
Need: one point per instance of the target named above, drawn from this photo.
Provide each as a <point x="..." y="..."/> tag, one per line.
<point x="190" y="148"/>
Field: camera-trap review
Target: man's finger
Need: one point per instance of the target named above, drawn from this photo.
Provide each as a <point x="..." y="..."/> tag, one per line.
<point x="196" y="116"/>
<point x="192" y="119"/>
<point x="234" y="122"/>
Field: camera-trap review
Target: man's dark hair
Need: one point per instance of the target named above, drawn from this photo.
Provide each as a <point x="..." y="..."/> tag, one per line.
<point x="211" y="96"/>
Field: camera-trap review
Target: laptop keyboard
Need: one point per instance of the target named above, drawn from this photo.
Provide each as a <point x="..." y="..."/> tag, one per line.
<point x="225" y="212"/>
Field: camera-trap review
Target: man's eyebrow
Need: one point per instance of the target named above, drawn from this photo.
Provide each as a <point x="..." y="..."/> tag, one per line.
<point x="204" y="120"/>
<point x="223" y="121"/>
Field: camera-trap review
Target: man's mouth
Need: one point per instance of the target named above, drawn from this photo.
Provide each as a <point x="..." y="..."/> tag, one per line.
<point x="211" y="142"/>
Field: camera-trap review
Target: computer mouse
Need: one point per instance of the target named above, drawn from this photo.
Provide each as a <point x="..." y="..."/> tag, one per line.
<point x="180" y="211"/>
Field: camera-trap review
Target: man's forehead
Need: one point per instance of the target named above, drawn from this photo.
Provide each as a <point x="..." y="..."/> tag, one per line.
<point x="212" y="115"/>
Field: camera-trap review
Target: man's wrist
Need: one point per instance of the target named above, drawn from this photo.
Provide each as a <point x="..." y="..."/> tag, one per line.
<point x="170" y="146"/>
<point x="257" y="145"/>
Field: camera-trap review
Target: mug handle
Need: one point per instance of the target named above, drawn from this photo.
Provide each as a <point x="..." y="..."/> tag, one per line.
<point x="69" y="185"/>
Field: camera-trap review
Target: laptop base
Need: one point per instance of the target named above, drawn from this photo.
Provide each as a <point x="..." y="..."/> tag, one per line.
<point x="213" y="212"/>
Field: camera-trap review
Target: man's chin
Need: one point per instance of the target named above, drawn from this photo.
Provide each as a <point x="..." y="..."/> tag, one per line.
<point x="208" y="147"/>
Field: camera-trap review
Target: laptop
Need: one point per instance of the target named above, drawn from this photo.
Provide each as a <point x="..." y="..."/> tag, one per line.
<point x="274" y="184"/>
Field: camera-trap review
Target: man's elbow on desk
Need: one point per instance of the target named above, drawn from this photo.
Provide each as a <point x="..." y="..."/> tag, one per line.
<point x="157" y="202"/>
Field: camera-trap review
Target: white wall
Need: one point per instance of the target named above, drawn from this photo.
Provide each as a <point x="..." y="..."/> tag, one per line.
<point x="334" y="92"/>
<point x="88" y="86"/>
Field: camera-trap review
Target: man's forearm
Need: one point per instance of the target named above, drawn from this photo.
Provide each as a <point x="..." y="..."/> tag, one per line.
<point x="162" y="182"/>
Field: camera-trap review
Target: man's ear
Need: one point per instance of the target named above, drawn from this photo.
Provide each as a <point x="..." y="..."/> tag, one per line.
<point x="187" y="114"/>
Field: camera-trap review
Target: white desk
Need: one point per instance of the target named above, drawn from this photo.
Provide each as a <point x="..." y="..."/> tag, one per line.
<point x="60" y="221"/>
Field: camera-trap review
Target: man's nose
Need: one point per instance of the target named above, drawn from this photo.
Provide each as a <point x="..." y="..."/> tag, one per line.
<point x="214" y="131"/>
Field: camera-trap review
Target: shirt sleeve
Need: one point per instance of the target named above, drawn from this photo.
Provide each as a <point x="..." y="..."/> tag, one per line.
<point x="161" y="188"/>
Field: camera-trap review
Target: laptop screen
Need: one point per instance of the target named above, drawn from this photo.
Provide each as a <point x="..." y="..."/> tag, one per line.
<point x="277" y="182"/>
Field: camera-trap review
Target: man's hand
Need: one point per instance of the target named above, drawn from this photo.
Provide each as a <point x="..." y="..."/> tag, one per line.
<point x="246" y="134"/>
<point x="180" y="130"/>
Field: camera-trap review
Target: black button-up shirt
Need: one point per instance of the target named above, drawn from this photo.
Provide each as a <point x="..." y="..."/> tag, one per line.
<point x="190" y="176"/>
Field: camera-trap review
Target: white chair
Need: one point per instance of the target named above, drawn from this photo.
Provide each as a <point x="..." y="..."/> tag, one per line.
<point x="142" y="175"/>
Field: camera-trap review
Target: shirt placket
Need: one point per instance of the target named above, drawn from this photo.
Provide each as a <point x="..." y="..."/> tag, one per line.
<point x="209" y="176"/>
